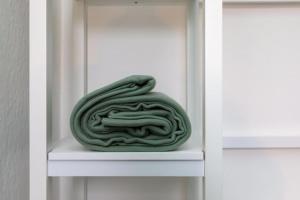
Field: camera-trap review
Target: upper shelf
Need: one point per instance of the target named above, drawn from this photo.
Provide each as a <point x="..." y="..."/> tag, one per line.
<point x="69" y="158"/>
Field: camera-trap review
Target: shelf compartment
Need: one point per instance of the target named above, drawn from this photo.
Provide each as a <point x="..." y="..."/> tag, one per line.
<point x="69" y="158"/>
<point x="154" y="38"/>
<point x="103" y="41"/>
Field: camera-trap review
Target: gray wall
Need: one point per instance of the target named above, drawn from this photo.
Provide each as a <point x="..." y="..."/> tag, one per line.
<point x="14" y="58"/>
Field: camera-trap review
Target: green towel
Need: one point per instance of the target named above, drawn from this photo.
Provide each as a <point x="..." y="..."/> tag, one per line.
<point x="127" y="116"/>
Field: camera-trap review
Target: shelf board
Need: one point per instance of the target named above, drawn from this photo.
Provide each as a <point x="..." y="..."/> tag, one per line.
<point x="261" y="142"/>
<point x="69" y="158"/>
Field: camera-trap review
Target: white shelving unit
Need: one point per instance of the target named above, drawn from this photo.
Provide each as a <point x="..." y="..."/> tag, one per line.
<point x="79" y="45"/>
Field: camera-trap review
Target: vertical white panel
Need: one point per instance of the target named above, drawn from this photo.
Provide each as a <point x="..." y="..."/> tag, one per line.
<point x="38" y="101"/>
<point x="195" y="64"/>
<point x="213" y="100"/>
<point x="195" y="77"/>
<point x="71" y="75"/>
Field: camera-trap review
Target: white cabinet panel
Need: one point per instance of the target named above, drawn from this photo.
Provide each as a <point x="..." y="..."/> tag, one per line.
<point x="261" y="69"/>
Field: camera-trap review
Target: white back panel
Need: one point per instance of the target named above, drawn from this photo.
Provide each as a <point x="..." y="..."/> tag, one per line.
<point x="125" y="40"/>
<point x="261" y="69"/>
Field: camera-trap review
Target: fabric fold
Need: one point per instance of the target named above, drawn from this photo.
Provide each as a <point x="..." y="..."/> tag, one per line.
<point x="127" y="116"/>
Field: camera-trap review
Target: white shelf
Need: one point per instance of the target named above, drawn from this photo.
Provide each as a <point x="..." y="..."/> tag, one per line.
<point x="260" y="142"/>
<point x="69" y="158"/>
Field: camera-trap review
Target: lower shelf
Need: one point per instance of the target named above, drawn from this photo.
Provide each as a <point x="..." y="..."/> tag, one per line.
<point x="69" y="158"/>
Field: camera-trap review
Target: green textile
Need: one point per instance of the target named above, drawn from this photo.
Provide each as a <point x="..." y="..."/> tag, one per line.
<point x="127" y="116"/>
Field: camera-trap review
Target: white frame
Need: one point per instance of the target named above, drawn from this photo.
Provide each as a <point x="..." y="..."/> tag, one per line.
<point x="213" y="101"/>
<point x="38" y="100"/>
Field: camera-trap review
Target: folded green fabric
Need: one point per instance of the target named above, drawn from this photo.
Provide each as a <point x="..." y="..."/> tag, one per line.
<point x="127" y="116"/>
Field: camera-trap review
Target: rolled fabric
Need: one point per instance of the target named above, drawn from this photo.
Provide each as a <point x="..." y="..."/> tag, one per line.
<point x="127" y="116"/>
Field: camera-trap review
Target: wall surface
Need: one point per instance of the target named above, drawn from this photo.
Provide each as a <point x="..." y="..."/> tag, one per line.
<point x="14" y="57"/>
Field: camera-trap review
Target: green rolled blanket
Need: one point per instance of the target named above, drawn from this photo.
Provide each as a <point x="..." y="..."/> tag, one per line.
<point x="127" y="116"/>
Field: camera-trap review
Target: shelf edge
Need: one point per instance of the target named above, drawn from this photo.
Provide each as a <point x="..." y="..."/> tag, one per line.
<point x="126" y="168"/>
<point x="261" y="142"/>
